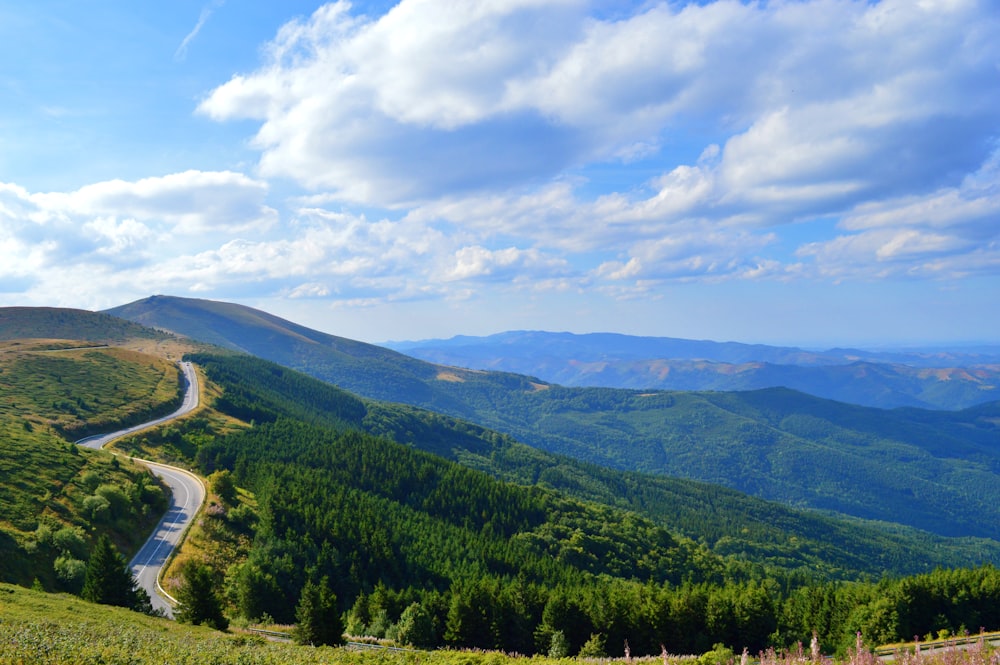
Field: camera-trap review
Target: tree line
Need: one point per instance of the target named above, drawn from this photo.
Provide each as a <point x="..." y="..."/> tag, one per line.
<point x="407" y="545"/>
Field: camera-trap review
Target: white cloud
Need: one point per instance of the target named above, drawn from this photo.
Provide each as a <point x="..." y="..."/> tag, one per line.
<point x="189" y="202"/>
<point x="509" y="264"/>
<point x="206" y="12"/>
<point x="471" y="117"/>
<point x="950" y="232"/>
<point x="119" y="225"/>
<point x="434" y="98"/>
<point x="528" y="143"/>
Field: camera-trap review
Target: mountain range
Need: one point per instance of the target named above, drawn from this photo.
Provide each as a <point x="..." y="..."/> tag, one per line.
<point x="926" y="378"/>
<point x="934" y="470"/>
<point x="501" y="544"/>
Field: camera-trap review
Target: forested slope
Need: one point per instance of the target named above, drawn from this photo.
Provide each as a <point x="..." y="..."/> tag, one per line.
<point x="400" y="535"/>
<point x="728" y="521"/>
<point x="937" y="471"/>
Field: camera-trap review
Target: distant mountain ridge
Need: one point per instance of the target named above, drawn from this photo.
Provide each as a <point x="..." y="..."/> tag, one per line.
<point x="924" y="378"/>
<point x="935" y="470"/>
<point x="729" y="522"/>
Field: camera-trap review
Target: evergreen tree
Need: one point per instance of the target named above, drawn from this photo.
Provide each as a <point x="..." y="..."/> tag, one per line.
<point x="197" y="602"/>
<point x="222" y="484"/>
<point x="109" y="581"/>
<point x="416" y="627"/>
<point x="317" y="620"/>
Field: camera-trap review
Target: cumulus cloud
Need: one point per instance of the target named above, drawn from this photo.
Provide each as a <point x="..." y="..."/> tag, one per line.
<point x="540" y="144"/>
<point x="189" y="202"/>
<point x="951" y="232"/>
<point x="509" y="264"/>
<point x="119" y="226"/>
<point x="472" y="118"/>
<point x="499" y="92"/>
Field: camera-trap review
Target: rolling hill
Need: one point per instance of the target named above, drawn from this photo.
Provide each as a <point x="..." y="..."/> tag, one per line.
<point x="56" y="499"/>
<point x="728" y="521"/>
<point x="937" y="471"/>
<point x="335" y="490"/>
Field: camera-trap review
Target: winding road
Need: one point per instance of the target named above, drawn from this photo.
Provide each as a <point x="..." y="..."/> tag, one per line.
<point x="187" y="495"/>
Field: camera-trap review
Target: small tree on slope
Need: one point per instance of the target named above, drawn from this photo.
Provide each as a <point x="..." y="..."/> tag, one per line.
<point x="317" y="620"/>
<point x="197" y="602"/>
<point x="109" y="581"/>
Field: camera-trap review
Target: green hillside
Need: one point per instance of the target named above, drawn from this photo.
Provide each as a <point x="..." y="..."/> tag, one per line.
<point x="932" y="470"/>
<point x="397" y="532"/>
<point x="403" y="536"/>
<point x="61" y="323"/>
<point x="728" y="521"/>
<point x="56" y="498"/>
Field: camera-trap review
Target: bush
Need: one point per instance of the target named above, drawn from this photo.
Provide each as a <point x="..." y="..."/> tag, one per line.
<point x="70" y="572"/>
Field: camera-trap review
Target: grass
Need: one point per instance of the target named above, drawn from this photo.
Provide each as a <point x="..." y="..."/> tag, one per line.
<point x="53" y="629"/>
<point x="79" y="391"/>
<point x="54" y="392"/>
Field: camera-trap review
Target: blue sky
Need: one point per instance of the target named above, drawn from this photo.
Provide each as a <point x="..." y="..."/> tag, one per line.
<point x="818" y="172"/>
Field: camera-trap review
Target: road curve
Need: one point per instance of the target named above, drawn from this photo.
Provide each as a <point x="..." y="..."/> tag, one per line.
<point x="187" y="495"/>
<point x="189" y="404"/>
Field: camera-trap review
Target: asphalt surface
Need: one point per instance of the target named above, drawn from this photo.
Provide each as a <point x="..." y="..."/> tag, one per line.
<point x="189" y="404"/>
<point x="187" y="495"/>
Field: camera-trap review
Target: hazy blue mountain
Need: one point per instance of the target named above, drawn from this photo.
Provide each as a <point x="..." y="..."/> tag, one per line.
<point x="928" y="378"/>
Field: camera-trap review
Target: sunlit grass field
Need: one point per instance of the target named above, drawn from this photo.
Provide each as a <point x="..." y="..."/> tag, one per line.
<point x="47" y="629"/>
<point x="52" y="393"/>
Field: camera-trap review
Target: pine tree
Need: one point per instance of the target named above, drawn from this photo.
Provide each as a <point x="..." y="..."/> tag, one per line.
<point x="109" y="581"/>
<point x="416" y="627"/>
<point x="197" y="602"/>
<point x="317" y="620"/>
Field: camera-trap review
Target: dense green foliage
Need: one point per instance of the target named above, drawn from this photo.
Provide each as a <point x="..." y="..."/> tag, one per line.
<point x="776" y="444"/>
<point x="56" y="499"/>
<point x="44" y="629"/>
<point x="728" y="522"/>
<point x="109" y="581"/>
<point x="784" y="446"/>
<point x="421" y="549"/>
<point x="197" y="600"/>
<point x="317" y="617"/>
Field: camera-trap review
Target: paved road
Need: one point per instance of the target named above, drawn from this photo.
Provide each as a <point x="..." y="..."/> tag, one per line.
<point x="189" y="404"/>
<point x="187" y="495"/>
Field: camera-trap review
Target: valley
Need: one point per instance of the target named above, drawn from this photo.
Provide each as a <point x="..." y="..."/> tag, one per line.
<point x="932" y="378"/>
<point x="434" y="530"/>
<point x="777" y="444"/>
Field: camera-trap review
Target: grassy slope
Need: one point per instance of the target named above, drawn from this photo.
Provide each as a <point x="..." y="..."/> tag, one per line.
<point x="774" y="443"/>
<point x="61" y="323"/>
<point x="51" y="629"/>
<point x="48" y="393"/>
